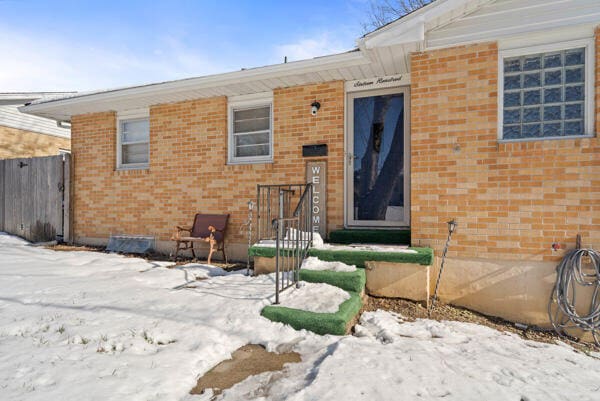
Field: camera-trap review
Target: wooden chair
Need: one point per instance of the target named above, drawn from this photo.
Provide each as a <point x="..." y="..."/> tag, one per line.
<point x="208" y="228"/>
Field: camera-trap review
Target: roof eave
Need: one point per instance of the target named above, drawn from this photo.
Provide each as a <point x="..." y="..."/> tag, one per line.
<point x="411" y="27"/>
<point x="297" y="67"/>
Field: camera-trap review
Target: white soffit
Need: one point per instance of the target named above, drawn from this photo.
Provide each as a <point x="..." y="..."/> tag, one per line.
<point x="414" y="26"/>
<point x="390" y="60"/>
<point x="10" y="116"/>
<point x="518" y="19"/>
<point x="344" y="66"/>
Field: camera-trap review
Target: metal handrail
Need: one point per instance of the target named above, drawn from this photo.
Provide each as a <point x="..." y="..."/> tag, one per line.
<point x="294" y="233"/>
<point x="268" y="206"/>
<point x="301" y="201"/>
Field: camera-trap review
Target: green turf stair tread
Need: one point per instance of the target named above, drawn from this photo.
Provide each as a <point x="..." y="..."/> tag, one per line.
<point x="423" y="256"/>
<point x="350" y="281"/>
<point x="320" y="323"/>
<point x="364" y="236"/>
<point x="265" y="251"/>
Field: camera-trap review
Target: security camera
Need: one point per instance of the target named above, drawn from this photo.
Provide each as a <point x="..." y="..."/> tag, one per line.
<point x="314" y="107"/>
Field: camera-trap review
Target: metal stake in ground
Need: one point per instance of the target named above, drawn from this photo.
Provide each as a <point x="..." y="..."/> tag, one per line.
<point x="451" y="227"/>
<point x="248" y="225"/>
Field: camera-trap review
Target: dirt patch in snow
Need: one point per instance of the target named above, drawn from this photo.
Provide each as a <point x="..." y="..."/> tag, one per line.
<point x="247" y="361"/>
<point x="70" y="248"/>
<point x="415" y="310"/>
<point x="152" y="256"/>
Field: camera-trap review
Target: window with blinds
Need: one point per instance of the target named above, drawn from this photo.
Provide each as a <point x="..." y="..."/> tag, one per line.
<point x="250" y="134"/>
<point x="134" y="143"/>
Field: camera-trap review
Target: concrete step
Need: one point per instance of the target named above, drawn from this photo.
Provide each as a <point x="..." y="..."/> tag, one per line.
<point x="382" y="270"/>
<point x="350" y="281"/>
<point x="356" y="254"/>
<point x="338" y="323"/>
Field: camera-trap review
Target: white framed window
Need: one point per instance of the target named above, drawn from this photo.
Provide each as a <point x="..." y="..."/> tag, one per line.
<point x="546" y="92"/>
<point x="250" y="130"/>
<point x="133" y="140"/>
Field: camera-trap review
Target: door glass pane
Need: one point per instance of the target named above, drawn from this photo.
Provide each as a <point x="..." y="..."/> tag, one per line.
<point x="379" y="158"/>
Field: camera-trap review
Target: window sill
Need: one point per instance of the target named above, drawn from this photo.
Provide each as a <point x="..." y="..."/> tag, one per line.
<point x="243" y="162"/>
<point x="132" y="168"/>
<point x="550" y="138"/>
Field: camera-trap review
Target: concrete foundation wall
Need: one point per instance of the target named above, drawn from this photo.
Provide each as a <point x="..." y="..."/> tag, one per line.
<point x="515" y="290"/>
<point x="264" y="265"/>
<point x="398" y="280"/>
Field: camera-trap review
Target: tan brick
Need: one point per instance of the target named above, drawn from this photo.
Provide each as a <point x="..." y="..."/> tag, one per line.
<point x="20" y="143"/>
<point x="188" y="171"/>
<point x="518" y="192"/>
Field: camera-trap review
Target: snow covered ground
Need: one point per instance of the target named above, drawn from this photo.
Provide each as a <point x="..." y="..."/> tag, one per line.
<point x="312" y="263"/>
<point x="286" y="243"/>
<point x="314" y="297"/>
<point x="93" y="326"/>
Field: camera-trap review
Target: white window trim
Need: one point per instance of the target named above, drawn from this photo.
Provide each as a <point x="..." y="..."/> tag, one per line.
<point x="590" y="62"/>
<point x="129" y="115"/>
<point x="249" y="102"/>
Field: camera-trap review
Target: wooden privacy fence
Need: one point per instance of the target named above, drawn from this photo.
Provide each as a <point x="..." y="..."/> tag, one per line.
<point x="35" y="197"/>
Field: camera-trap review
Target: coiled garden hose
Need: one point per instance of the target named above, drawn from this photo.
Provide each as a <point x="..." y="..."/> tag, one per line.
<point x="579" y="269"/>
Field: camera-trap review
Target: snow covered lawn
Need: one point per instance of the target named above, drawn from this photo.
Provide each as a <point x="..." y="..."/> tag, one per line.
<point x="93" y="326"/>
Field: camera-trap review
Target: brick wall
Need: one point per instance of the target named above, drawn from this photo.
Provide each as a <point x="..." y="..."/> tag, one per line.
<point x="511" y="200"/>
<point x="19" y="143"/>
<point x="188" y="171"/>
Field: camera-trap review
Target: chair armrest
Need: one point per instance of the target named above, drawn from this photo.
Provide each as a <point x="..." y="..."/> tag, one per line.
<point x="178" y="230"/>
<point x="213" y="229"/>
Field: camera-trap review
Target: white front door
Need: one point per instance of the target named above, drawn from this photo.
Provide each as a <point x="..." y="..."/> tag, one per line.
<point x="378" y="158"/>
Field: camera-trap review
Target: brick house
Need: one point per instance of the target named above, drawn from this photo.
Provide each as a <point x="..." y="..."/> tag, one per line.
<point x="24" y="135"/>
<point x="482" y="111"/>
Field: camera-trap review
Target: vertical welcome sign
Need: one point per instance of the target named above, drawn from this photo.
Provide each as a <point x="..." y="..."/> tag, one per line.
<point x="316" y="174"/>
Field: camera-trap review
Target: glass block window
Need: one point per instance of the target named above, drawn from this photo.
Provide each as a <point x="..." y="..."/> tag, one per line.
<point x="544" y="95"/>
<point x="250" y="138"/>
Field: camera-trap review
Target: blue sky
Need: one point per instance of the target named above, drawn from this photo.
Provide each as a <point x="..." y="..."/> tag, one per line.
<point x="77" y="45"/>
